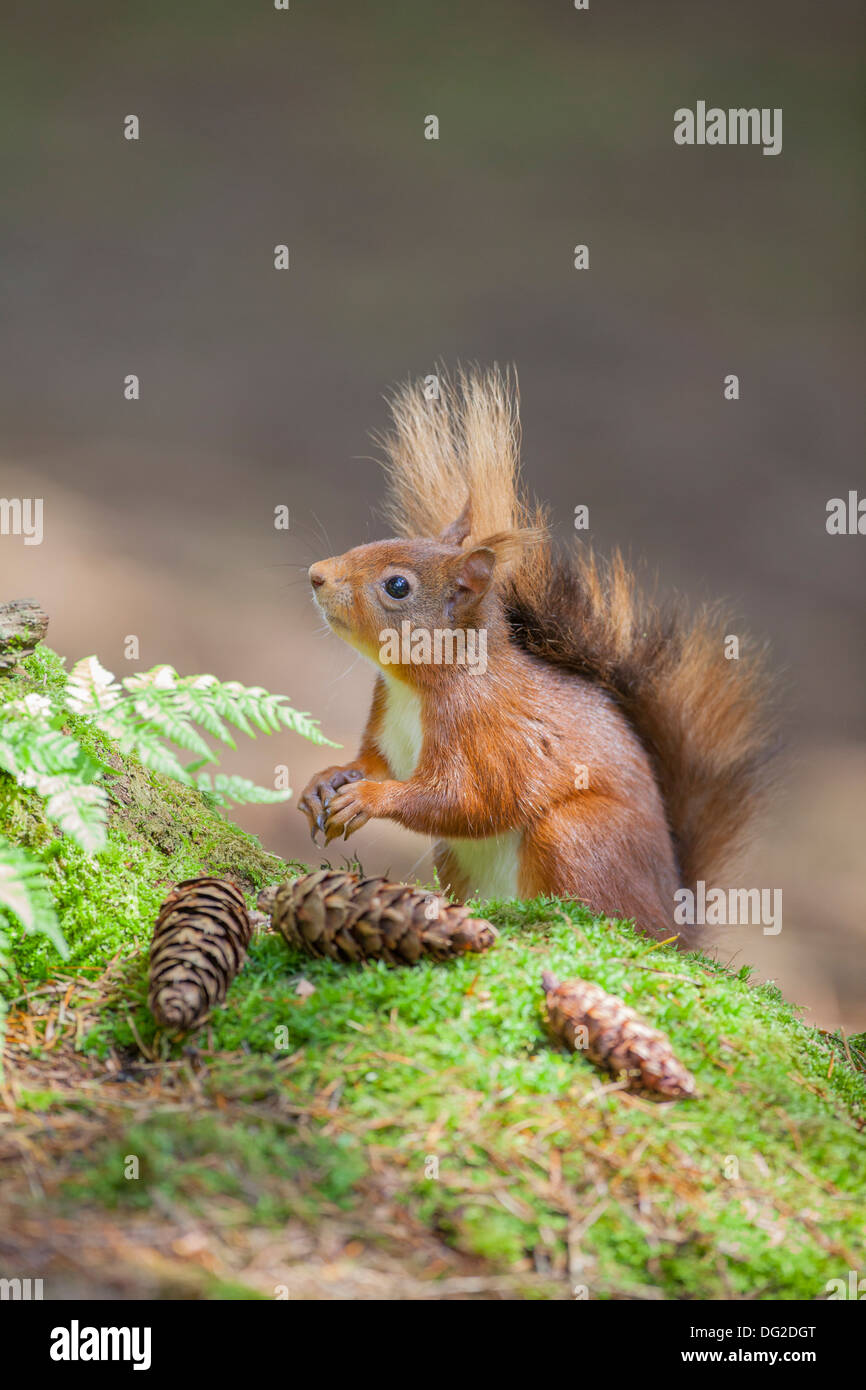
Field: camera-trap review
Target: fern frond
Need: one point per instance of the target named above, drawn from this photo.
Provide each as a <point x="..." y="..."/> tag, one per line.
<point x="51" y="753"/>
<point x="304" y="724"/>
<point x="148" y="715"/>
<point x="90" y="688"/>
<point x="44" y="759"/>
<point x="160" y="716"/>
<point x="193" y="701"/>
<point x="25" y="895"/>
<point x="225" y="790"/>
<point x="81" y="812"/>
<point x="247" y="706"/>
<point x="152" y="752"/>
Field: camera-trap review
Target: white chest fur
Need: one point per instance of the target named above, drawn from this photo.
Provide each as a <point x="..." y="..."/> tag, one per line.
<point x="400" y="736"/>
<point x="490" y="865"/>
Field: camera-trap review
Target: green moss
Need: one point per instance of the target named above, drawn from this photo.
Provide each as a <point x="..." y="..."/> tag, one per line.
<point x="752" y="1185"/>
<point x="439" y="1083"/>
<point x="193" y="1159"/>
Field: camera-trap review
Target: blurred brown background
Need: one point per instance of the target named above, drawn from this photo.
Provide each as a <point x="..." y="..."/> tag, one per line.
<point x="261" y="388"/>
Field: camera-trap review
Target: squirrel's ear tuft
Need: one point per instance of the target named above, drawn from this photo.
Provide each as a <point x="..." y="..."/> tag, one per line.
<point x="472" y="577"/>
<point x="510" y="547"/>
<point x="456" y="533"/>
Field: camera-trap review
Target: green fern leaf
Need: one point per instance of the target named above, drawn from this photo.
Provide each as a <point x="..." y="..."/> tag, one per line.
<point x="24" y="894"/>
<point x="231" y="708"/>
<point x="225" y="790"/>
<point x="302" y="723"/>
<point x="150" y="751"/>
<point x="90" y="688"/>
<point x="161" y="717"/>
<point x="195" y="703"/>
<point x="81" y="812"/>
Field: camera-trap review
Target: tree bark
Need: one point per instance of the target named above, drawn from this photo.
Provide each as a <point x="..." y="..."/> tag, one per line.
<point x="23" y="624"/>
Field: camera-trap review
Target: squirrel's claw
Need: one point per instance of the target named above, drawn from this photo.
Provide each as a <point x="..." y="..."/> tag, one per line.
<point x="346" y="812"/>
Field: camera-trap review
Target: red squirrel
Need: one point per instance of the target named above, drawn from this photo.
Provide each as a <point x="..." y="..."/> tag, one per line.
<point x="604" y="750"/>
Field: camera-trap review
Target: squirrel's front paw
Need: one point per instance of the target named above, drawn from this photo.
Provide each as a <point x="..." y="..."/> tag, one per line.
<point x="316" y="796"/>
<point x="350" y="809"/>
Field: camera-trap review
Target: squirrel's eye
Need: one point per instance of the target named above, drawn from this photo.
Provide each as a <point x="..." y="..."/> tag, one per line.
<point x="397" y="586"/>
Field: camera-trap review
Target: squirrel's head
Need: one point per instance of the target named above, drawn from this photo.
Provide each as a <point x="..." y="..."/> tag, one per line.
<point x="370" y="592"/>
<point x="436" y="587"/>
<point x="408" y="604"/>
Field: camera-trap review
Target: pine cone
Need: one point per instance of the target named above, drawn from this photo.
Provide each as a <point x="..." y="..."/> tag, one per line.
<point x="265" y="900"/>
<point x="199" y="944"/>
<point x="350" y="918"/>
<point x="616" y="1036"/>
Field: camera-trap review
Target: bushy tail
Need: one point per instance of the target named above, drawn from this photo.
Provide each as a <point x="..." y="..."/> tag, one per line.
<point x="455" y="436"/>
<point x="703" y="718"/>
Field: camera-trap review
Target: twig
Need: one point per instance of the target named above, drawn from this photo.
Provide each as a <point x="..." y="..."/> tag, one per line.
<point x="148" y="1053"/>
<point x="670" y="974"/>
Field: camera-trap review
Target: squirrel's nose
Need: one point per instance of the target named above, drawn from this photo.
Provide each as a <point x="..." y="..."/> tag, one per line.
<point x="317" y="578"/>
